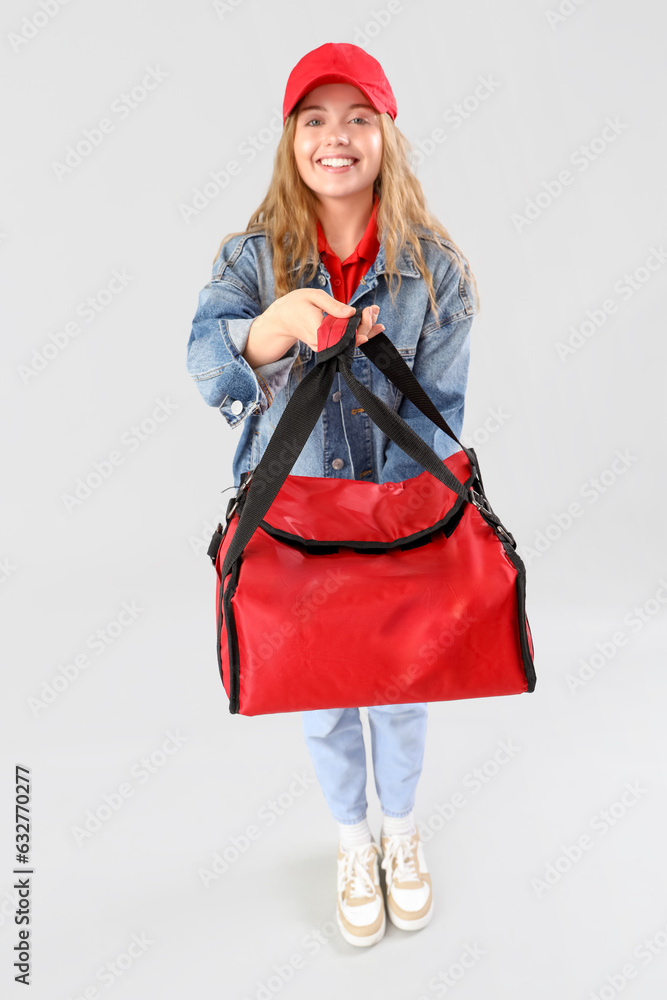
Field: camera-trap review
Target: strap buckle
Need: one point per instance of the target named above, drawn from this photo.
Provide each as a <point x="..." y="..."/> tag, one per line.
<point x="479" y="501"/>
<point x="508" y="534"/>
<point x="242" y="489"/>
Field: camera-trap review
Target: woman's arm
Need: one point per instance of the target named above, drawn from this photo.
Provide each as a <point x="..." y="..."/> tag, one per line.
<point x="227" y="308"/>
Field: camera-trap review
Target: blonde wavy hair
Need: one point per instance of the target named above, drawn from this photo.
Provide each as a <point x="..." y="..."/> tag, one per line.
<point x="288" y="215"/>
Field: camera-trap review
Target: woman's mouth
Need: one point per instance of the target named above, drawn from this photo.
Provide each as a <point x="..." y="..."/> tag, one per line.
<point x="337" y="164"/>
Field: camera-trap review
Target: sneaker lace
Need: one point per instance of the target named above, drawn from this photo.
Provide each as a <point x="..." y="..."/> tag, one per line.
<point x="354" y="871"/>
<point x="399" y="860"/>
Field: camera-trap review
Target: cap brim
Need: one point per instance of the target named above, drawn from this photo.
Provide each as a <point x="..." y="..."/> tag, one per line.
<point x="332" y="78"/>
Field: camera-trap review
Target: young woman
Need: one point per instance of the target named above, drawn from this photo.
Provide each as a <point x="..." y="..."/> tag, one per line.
<point x="344" y="223"/>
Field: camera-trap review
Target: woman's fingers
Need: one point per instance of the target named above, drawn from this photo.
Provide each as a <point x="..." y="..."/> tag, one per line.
<point x="368" y="327"/>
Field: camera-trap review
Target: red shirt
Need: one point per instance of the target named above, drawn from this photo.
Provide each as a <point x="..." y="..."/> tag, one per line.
<point x="346" y="275"/>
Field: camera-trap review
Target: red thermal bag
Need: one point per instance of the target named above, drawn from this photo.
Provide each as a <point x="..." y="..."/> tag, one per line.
<point x="336" y="593"/>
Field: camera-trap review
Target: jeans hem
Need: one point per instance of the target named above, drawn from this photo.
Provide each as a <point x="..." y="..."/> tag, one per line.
<point x="349" y="822"/>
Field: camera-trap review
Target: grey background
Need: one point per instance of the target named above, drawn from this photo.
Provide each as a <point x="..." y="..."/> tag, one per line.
<point x="141" y="536"/>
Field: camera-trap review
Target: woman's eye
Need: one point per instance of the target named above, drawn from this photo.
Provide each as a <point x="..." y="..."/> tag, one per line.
<point x="319" y="120"/>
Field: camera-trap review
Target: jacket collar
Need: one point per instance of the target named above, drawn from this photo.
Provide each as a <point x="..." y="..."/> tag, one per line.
<point x="404" y="265"/>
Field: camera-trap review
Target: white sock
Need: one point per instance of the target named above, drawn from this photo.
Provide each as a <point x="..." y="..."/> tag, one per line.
<point x="354" y="834"/>
<point x="393" y="826"/>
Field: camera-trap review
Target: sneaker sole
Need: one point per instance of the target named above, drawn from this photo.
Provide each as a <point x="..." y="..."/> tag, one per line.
<point x="410" y="925"/>
<point x="359" y="941"/>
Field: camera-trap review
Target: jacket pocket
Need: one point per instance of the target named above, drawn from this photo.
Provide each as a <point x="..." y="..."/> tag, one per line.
<point x="385" y="389"/>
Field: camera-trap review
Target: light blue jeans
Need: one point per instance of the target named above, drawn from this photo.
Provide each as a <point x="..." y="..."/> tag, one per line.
<point x="336" y="743"/>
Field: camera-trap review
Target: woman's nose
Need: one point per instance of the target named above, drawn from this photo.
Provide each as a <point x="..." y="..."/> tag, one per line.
<point x="337" y="135"/>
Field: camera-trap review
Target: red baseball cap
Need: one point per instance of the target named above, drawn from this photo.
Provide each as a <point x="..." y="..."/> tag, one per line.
<point x="340" y="62"/>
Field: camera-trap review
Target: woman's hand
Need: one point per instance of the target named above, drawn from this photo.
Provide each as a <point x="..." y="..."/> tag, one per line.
<point x="367" y="326"/>
<point x="297" y="316"/>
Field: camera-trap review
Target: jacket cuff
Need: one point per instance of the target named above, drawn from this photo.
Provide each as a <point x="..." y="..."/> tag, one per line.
<point x="251" y="389"/>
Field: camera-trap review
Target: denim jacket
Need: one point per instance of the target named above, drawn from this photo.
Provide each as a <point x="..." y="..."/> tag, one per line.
<point x="345" y="443"/>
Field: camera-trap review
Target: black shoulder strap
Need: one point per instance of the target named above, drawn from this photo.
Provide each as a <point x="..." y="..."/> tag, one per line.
<point x="384" y="356"/>
<point x="304" y="409"/>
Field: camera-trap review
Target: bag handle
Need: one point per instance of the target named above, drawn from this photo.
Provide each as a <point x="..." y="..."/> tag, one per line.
<point x="386" y="358"/>
<point x="302" y="413"/>
<point x="384" y="355"/>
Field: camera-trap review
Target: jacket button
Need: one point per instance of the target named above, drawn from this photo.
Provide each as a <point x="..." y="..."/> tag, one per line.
<point x="336" y="397"/>
<point x="338" y="463"/>
<point x="322" y="280"/>
<point x="237" y="406"/>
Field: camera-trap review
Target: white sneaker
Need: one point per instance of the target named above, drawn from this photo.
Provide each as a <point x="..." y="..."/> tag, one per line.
<point x="409" y="890"/>
<point x="360" y="908"/>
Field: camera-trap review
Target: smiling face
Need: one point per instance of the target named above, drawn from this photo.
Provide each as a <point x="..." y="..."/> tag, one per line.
<point x="335" y="123"/>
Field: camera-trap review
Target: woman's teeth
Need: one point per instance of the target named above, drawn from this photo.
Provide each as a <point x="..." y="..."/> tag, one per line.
<point x="337" y="162"/>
